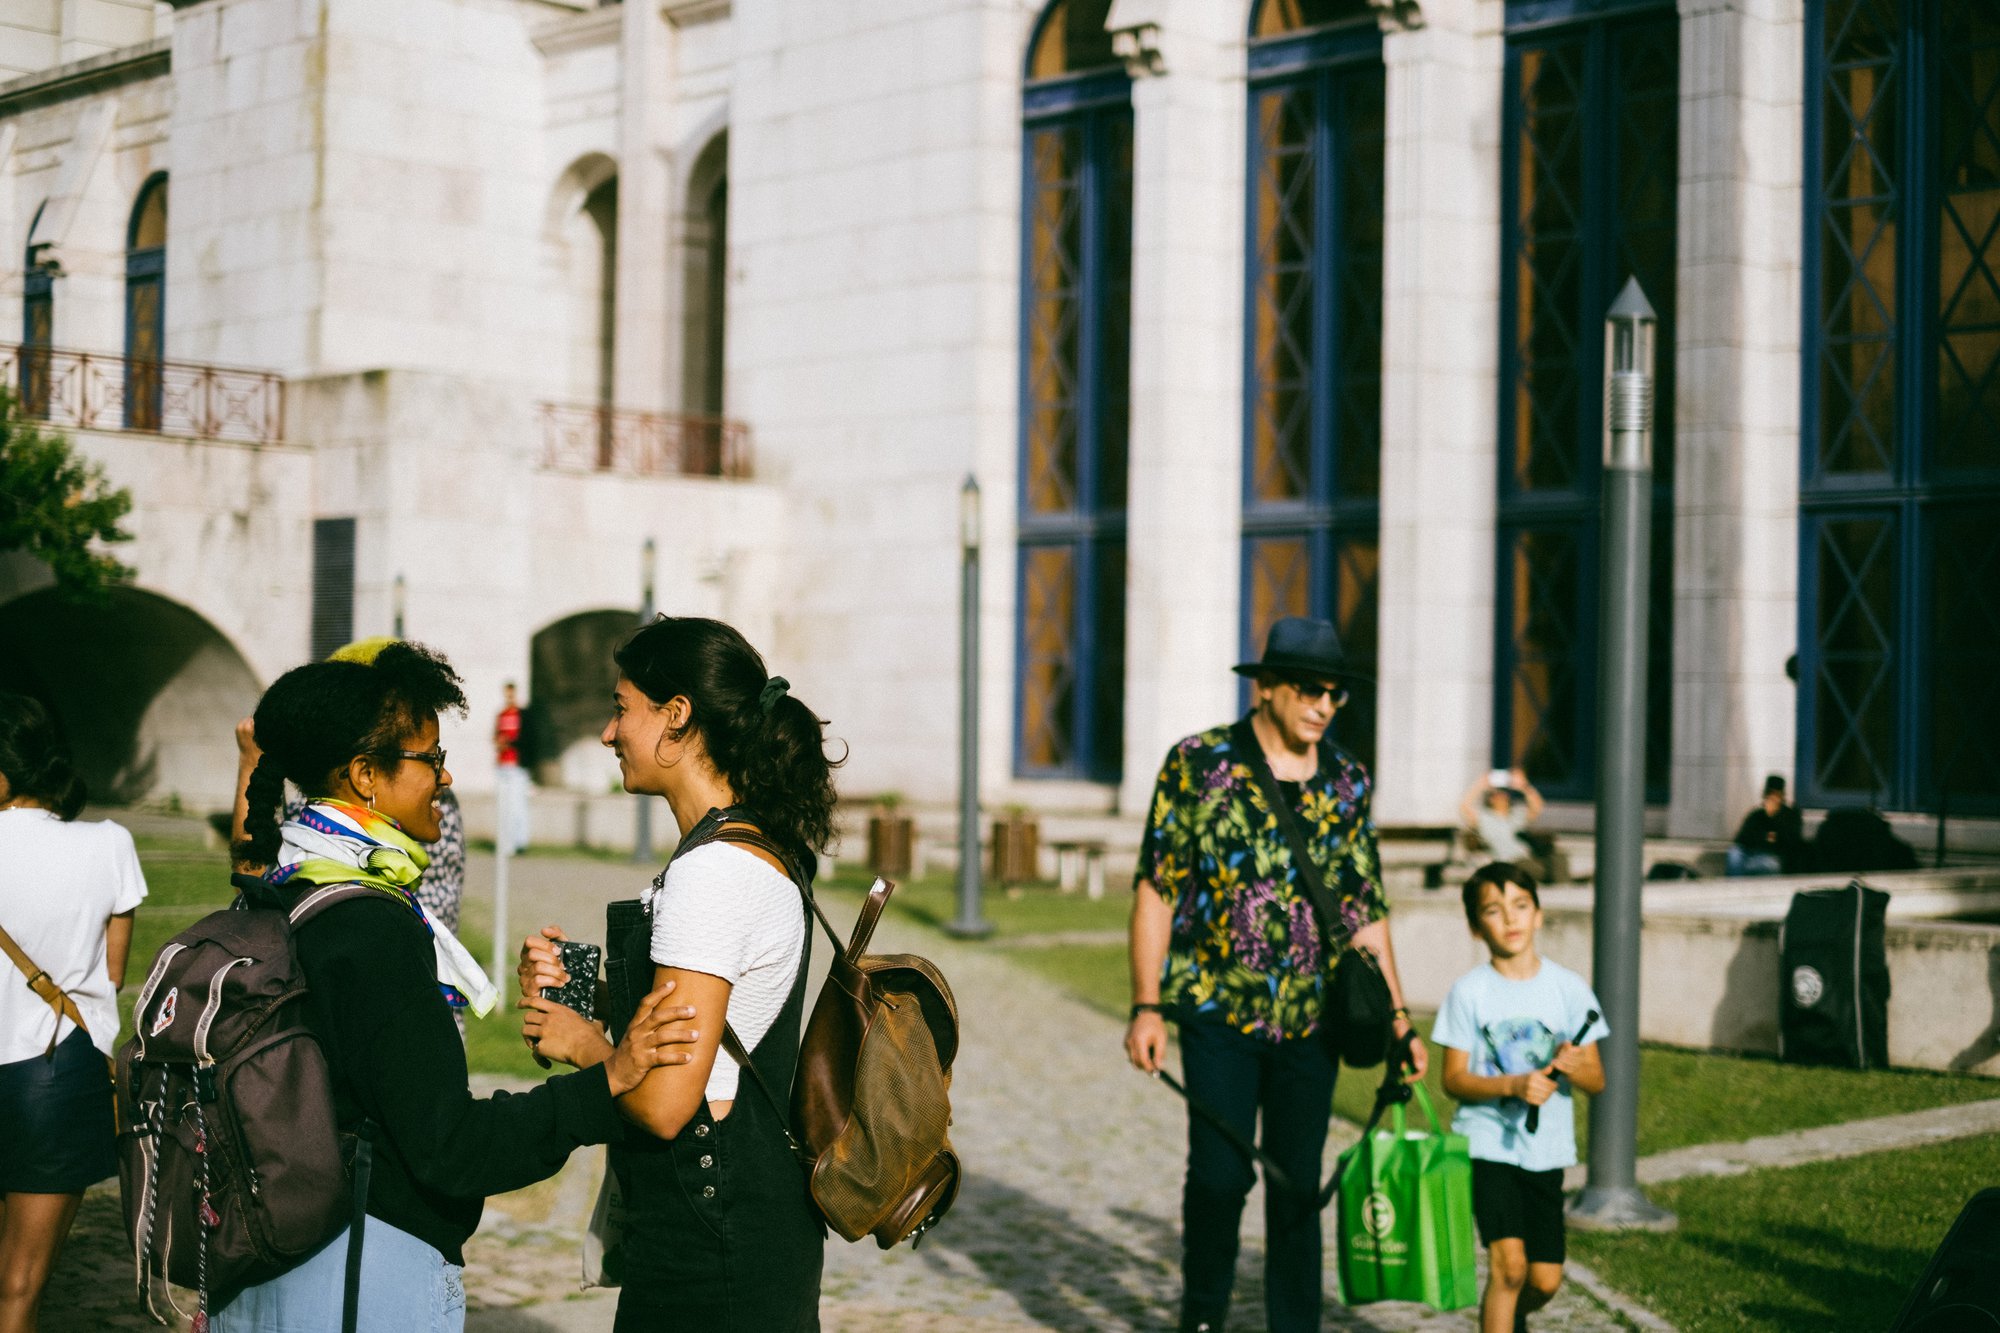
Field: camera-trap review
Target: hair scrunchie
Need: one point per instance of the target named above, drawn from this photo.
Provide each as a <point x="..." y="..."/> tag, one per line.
<point x="774" y="690"/>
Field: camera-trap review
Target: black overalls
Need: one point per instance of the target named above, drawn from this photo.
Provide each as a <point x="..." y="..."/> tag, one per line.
<point x="719" y="1233"/>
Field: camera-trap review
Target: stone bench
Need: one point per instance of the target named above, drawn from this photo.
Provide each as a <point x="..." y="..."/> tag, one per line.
<point x="1080" y="862"/>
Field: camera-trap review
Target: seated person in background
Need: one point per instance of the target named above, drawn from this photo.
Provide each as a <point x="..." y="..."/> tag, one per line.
<point x="1772" y="838"/>
<point x="1490" y="810"/>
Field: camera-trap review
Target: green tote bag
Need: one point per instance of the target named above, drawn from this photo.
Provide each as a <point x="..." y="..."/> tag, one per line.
<point x="1406" y="1215"/>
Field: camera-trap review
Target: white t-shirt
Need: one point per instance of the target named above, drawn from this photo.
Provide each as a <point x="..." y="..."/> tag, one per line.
<point x="59" y="884"/>
<point x="726" y="912"/>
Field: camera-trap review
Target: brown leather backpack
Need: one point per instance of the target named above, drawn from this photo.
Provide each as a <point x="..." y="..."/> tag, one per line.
<point x="871" y="1101"/>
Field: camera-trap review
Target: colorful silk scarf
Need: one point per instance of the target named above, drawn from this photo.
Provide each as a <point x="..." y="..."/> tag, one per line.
<point x="333" y="842"/>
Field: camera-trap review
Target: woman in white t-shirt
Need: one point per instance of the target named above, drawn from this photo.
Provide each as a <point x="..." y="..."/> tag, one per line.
<point x="719" y="1233"/>
<point x="67" y="893"/>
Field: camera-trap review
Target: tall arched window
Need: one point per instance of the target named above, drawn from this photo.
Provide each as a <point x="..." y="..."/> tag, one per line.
<point x="1899" y="513"/>
<point x="38" y="322"/>
<point x="146" y="306"/>
<point x="1076" y="297"/>
<point x="1313" y="330"/>
<point x="705" y="287"/>
<point x="1589" y="188"/>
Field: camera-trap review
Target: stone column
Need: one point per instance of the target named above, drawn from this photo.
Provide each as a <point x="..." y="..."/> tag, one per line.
<point x="1440" y="367"/>
<point x="640" y="374"/>
<point x="1737" y="404"/>
<point x="1185" y="499"/>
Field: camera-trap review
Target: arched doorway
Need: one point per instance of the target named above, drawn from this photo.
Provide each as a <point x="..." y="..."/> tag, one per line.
<point x="146" y="692"/>
<point x="571" y="676"/>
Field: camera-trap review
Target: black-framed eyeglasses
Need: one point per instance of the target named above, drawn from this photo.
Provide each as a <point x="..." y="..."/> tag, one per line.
<point x="1310" y="690"/>
<point x="435" y="758"/>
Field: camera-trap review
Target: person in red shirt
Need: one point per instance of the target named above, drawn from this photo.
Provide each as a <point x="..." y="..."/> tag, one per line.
<point x="511" y="778"/>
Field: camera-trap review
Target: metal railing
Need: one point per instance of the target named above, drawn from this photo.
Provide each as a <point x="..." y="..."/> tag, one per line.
<point x="583" y="438"/>
<point x="92" y="391"/>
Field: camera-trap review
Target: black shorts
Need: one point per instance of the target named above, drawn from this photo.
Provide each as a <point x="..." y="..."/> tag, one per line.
<point x="1511" y="1204"/>
<point x="59" y="1121"/>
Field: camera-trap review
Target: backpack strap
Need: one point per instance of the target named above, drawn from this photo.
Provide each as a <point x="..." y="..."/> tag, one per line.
<point x="364" y="1162"/>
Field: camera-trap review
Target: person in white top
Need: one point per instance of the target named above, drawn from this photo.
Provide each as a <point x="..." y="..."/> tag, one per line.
<point x="67" y="894"/>
<point x="719" y="1232"/>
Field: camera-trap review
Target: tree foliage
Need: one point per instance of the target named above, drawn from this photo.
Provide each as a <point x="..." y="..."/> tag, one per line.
<point x="54" y="504"/>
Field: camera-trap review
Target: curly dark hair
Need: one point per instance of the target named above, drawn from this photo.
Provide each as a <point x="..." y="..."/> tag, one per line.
<point x="316" y="718"/>
<point x="33" y="760"/>
<point x="775" y="759"/>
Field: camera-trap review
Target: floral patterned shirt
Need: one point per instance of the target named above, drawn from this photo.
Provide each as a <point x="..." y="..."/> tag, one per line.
<point x="1245" y="945"/>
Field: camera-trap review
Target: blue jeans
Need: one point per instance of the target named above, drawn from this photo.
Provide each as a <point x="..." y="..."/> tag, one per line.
<point x="406" y="1287"/>
<point x="1741" y="862"/>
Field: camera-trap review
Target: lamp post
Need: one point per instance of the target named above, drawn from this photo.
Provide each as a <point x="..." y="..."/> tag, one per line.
<point x="396" y="612"/>
<point x="971" y="922"/>
<point x="642" y="817"/>
<point x="1612" y="1201"/>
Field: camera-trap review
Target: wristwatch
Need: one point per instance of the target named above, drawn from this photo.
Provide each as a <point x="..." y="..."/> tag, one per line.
<point x="1138" y="1009"/>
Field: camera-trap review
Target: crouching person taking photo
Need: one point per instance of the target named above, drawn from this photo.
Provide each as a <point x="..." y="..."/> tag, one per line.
<point x="1520" y="1036"/>
<point x="361" y="741"/>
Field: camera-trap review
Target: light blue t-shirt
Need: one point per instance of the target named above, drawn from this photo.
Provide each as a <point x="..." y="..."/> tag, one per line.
<point x="1514" y="1027"/>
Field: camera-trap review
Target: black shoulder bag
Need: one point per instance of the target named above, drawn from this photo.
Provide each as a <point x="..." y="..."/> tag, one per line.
<point x="1357" y="1017"/>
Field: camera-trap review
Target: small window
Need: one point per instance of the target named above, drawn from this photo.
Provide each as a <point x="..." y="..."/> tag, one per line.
<point x="1277" y="17"/>
<point x="1071" y="39"/>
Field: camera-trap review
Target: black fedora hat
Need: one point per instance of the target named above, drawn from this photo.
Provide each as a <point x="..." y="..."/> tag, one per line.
<point x="1299" y="646"/>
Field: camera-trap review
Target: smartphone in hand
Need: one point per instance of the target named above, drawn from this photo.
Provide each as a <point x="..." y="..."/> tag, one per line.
<point x="580" y="992"/>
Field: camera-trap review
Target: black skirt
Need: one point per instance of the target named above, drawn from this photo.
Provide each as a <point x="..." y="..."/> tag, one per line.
<point x="60" y="1127"/>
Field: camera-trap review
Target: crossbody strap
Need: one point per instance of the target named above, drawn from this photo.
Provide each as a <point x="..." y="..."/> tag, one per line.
<point x="44" y="985"/>
<point x="745" y="834"/>
<point x="1332" y="935"/>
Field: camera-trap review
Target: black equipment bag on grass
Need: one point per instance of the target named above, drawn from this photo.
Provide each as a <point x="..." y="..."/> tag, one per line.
<point x="1833" y="979"/>
<point x="1960" y="1289"/>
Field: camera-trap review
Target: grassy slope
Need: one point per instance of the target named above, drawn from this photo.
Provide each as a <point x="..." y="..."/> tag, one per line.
<point x="1831" y="1245"/>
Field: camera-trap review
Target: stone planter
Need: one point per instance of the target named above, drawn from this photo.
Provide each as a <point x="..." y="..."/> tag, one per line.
<point x="1017" y="846"/>
<point x="890" y="840"/>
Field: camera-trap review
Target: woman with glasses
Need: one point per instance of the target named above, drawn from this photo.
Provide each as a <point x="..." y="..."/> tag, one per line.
<point x="360" y="740"/>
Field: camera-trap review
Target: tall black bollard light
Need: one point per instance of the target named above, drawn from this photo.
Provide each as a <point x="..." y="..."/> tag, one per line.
<point x="971" y="922"/>
<point x="1612" y="1201"/>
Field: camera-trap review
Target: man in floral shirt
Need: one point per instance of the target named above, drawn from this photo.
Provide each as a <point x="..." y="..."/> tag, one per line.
<point x="1225" y="943"/>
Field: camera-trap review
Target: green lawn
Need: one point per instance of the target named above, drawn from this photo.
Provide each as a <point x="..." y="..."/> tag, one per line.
<point x="1830" y="1245"/>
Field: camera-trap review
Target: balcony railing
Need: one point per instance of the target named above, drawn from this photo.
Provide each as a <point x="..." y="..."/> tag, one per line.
<point x="91" y="391"/>
<point x="581" y="438"/>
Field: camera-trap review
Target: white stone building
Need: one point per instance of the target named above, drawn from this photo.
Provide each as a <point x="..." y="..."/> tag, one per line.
<point x="1234" y="309"/>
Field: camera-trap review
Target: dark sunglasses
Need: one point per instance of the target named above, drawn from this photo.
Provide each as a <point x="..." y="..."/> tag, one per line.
<point x="1310" y="690"/>
<point x="435" y="758"/>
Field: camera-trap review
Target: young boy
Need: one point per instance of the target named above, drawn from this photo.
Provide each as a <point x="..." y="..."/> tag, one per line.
<point x="1519" y="1032"/>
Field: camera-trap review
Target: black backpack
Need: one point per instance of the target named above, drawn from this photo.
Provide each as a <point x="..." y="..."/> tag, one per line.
<point x="232" y="1167"/>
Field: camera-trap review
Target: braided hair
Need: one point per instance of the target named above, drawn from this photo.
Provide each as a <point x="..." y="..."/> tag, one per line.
<point x="33" y="760"/>
<point x="316" y="718"/>
<point x="768" y="746"/>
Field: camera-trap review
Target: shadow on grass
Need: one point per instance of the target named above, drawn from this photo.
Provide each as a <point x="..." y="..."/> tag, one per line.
<point x="1800" y="1277"/>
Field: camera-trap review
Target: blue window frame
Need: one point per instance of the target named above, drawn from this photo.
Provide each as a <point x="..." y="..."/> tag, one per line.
<point x="1899" y="514"/>
<point x="146" y="307"/>
<point x="1590" y="177"/>
<point x="1312" y="429"/>
<point x="38" y="318"/>
<point x="1076" y="263"/>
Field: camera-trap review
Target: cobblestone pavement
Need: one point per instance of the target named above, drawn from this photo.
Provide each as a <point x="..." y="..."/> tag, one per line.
<point x="1068" y="1219"/>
